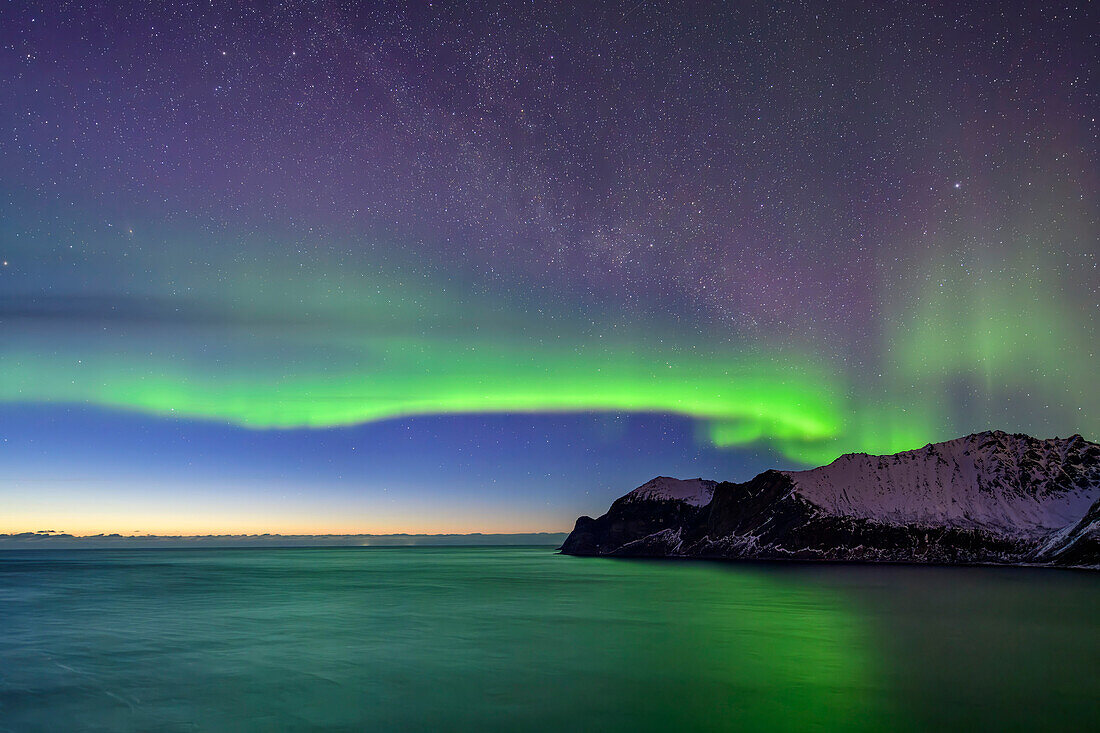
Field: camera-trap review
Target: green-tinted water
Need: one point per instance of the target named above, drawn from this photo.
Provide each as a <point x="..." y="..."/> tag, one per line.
<point x="524" y="639"/>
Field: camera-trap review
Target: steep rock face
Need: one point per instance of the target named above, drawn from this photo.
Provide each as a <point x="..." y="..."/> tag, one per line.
<point x="988" y="497"/>
<point x="659" y="504"/>
<point x="1076" y="545"/>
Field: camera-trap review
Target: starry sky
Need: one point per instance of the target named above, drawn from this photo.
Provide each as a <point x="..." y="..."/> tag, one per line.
<point x="342" y="267"/>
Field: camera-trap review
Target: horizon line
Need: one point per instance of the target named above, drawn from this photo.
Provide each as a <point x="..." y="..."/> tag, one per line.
<point x="50" y="534"/>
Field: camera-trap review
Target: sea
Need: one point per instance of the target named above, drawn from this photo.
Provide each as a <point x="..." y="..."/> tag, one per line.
<point x="524" y="639"/>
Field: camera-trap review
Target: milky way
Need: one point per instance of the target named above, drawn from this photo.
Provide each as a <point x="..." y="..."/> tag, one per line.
<point x="761" y="235"/>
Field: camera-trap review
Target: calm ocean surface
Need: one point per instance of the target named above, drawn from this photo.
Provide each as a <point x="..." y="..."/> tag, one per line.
<point x="523" y="639"/>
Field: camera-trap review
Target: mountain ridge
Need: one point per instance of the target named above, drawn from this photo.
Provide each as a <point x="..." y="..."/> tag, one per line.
<point x="988" y="497"/>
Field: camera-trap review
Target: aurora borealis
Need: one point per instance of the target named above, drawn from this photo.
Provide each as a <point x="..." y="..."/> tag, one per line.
<point x="320" y="267"/>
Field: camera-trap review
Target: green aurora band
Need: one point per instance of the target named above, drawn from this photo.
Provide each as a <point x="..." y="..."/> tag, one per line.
<point x="278" y="341"/>
<point x="428" y="376"/>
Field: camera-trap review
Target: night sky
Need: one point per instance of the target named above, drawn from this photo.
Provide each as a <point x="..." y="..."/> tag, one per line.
<point x="331" y="267"/>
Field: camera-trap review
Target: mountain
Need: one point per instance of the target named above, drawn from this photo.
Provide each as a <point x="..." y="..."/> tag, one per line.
<point x="991" y="497"/>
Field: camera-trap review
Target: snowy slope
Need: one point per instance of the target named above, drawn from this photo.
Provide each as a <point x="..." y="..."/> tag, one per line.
<point x="1011" y="484"/>
<point x="693" y="491"/>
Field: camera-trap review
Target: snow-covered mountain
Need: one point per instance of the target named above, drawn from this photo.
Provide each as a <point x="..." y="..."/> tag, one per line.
<point x="987" y="497"/>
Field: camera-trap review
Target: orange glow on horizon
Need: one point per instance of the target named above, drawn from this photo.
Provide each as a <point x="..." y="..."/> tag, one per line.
<point x="86" y="524"/>
<point x="179" y="509"/>
<point x="175" y="528"/>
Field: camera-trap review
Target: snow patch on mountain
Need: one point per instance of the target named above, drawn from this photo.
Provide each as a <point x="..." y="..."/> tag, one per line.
<point x="693" y="491"/>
